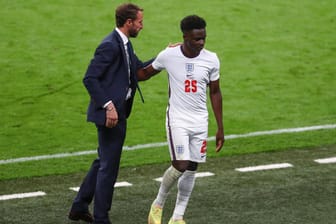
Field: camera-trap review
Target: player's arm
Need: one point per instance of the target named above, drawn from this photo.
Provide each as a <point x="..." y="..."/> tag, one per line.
<point x="216" y="103"/>
<point x="146" y="73"/>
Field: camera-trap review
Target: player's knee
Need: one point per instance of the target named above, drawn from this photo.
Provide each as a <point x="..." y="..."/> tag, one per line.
<point x="183" y="165"/>
<point x="192" y="166"/>
<point x="180" y="165"/>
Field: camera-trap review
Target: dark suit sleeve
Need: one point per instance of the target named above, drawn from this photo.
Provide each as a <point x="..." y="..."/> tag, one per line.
<point x="141" y="64"/>
<point x="146" y="63"/>
<point x="103" y="57"/>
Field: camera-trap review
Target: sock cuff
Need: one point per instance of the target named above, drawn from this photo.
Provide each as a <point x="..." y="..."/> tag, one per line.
<point x="174" y="172"/>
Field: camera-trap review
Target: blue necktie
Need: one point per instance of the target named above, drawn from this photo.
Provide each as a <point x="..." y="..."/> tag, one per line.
<point x="133" y="79"/>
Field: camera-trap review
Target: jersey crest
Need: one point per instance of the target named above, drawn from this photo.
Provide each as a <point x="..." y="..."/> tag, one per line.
<point x="189" y="69"/>
<point x="179" y="149"/>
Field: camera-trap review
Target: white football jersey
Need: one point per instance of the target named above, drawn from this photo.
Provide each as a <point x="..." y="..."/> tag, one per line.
<point x="188" y="80"/>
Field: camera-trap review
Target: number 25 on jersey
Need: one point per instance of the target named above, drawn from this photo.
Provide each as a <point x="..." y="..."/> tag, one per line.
<point x="190" y="85"/>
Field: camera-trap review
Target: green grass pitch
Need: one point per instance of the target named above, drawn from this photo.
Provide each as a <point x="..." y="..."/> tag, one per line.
<point x="300" y="194"/>
<point x="277" y="71"/>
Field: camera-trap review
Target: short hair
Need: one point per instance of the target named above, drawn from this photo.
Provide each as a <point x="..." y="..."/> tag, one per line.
<point x="191" y="22"/>
<point x="126" y="11"/>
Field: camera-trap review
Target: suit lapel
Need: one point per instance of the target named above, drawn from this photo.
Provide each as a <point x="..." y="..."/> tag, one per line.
<point x="133" y="78"/>
<point x="131" y="56"/>
<point x="122" y="48"/>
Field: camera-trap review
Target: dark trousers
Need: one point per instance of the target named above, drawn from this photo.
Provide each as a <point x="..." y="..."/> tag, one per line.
<point x="99" y="181"/>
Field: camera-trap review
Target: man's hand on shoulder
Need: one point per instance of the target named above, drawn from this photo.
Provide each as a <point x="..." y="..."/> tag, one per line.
<point x="174" y="44"/>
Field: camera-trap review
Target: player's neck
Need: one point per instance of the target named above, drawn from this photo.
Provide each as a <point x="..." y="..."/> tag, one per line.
<point x="188" y="52"/>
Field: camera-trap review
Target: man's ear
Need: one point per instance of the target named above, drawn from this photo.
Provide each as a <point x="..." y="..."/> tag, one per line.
<point x="129" y="22"/>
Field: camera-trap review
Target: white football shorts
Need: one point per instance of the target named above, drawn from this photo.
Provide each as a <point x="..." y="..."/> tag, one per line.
<point x="187" y="143"/>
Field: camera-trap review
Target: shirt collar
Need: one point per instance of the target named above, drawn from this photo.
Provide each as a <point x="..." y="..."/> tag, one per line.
<point x="123" y="36"/>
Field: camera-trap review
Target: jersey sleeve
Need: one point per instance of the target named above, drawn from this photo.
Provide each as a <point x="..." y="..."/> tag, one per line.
<point x="158" y="63"/>
<point x="214" y="74"/>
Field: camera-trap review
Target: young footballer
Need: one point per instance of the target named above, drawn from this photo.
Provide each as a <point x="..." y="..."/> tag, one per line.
<point x="191" y="69"/>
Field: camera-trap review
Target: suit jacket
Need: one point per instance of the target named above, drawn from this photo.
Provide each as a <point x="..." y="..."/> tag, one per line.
<point x="107" y="79"/>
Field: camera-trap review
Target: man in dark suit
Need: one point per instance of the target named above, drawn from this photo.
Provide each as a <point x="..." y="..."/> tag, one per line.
<point x="111" y="83"/>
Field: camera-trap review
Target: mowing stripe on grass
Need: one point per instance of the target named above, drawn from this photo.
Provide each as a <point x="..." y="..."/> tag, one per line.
<point x="326" y="160"/>
<point x="264" y="167"/>
<point x="160" y="144"/>
<point x="21" y="195"/>
<point x="200" y="174"/>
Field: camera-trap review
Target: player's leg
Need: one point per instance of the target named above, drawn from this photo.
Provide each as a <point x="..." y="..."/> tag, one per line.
<point x="197" y="147"/>
<point x="185" y="186"/>
<point x="178" y="142"/>
<point x="169" y="178"/>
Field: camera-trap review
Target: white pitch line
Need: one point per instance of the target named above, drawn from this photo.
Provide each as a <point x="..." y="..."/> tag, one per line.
<point x="281" y="131"/>
<point x="43" y="157"/>
<point x="74" y="188"/>
<point x="123" y="184"/>
<point x="21" y="195"/>
<point x="326" y="160"/>
<point x="198" y="175"/>
<point x="204" y="174"/>
<point x="160" y="144"/>
<point x="118" y="184"/>
<point x="264" y="167"/>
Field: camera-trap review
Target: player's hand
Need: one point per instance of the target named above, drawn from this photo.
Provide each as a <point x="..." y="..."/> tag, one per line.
<point x="111" y="116"/>
<point x="174" y="44"/>
<point x="219" y="140"/>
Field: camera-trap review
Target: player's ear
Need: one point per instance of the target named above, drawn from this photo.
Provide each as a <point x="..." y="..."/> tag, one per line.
<point x="185" y="36"/>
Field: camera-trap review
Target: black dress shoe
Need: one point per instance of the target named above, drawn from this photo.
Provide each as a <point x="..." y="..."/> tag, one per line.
<point x="85" y="216"/>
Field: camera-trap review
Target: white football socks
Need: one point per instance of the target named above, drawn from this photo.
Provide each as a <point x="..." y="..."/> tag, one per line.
<point x="185" y="186"/>
<point x="169" y="178"/>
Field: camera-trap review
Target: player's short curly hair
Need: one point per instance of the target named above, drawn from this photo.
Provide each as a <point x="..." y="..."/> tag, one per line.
<point x="191" y="22"/>
<point x="126" y="11"/>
